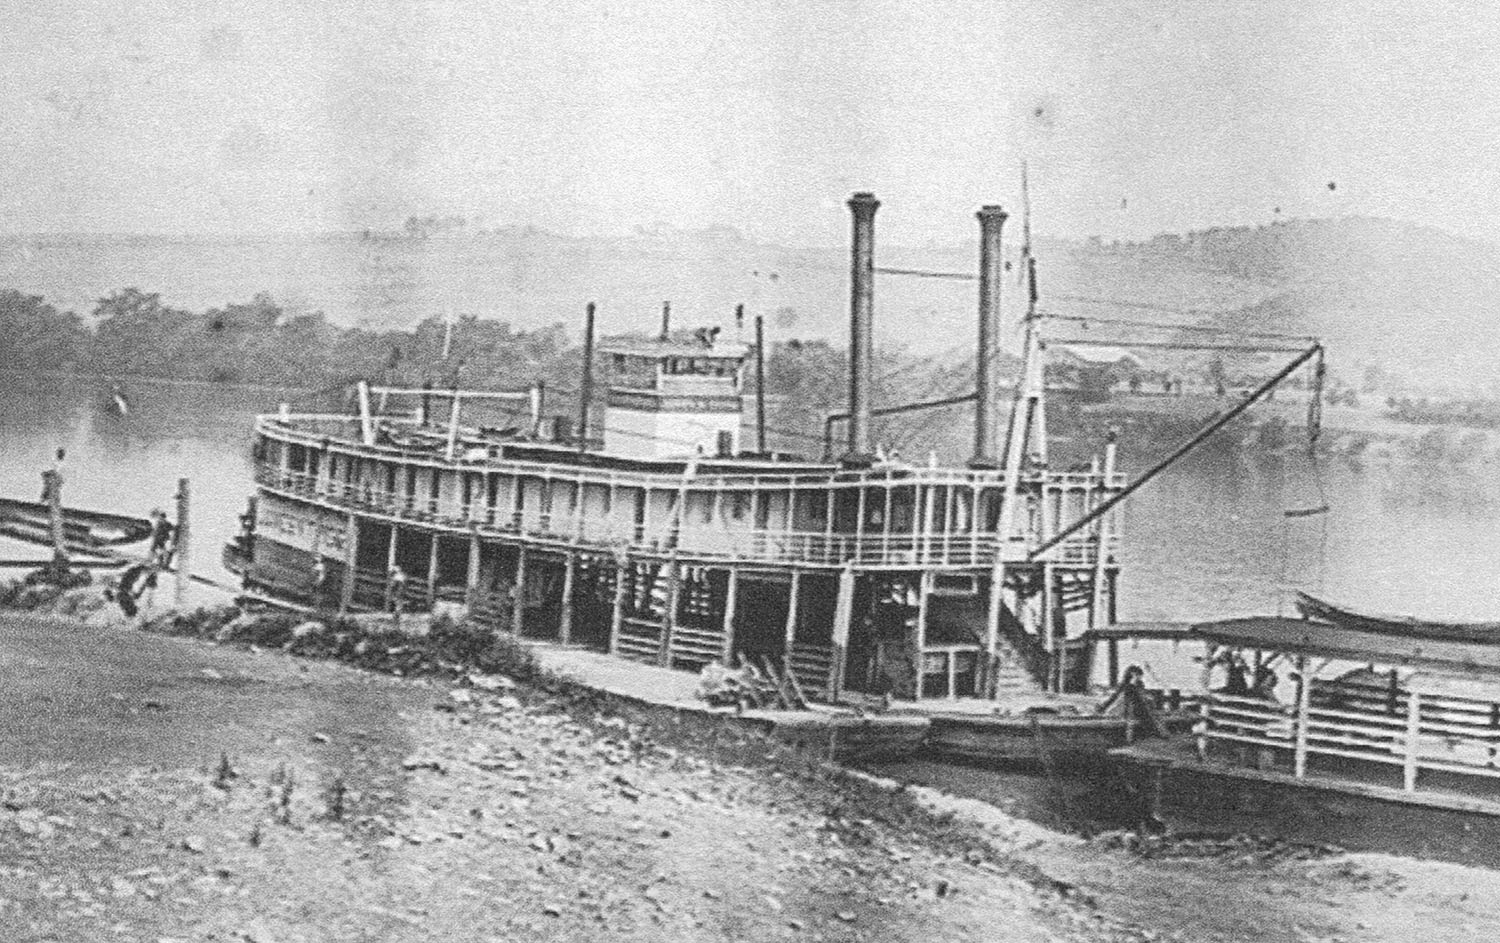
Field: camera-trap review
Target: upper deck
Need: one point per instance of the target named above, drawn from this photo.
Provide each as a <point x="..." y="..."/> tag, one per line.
<point x="742" y="508"/>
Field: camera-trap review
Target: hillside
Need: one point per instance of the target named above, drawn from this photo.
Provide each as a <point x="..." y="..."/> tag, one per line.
<point x="1414" y="301"/>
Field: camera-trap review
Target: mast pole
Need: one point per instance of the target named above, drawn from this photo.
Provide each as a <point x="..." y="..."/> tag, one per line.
<point x="760" y="378"/>
<point x="1027" y="407"/>
<point x="587" y="393"/>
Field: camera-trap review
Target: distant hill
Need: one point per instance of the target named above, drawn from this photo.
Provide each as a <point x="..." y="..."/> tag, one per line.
<point x="1413" y="301"/>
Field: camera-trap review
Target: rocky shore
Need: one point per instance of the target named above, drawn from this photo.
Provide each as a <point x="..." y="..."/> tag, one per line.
<point x="161" y="788"/>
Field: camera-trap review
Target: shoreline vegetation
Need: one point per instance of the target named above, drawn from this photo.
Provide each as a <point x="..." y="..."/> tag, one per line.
<point x="132" y="336"/>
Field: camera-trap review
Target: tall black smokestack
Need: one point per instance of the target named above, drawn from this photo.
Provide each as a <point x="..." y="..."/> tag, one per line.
<point x="861" y="321"/>
<point x="987" y="356"/>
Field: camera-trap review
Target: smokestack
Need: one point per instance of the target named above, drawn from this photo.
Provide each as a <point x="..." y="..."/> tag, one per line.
<point x="666" y="320"/>
<point x="861" y="321"/>
<point x="987" y="355"/>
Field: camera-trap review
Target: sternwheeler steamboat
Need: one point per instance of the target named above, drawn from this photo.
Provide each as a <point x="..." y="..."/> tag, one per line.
<point x="650" y="531"/>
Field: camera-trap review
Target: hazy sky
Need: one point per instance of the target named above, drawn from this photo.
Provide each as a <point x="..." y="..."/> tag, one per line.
<point x="585" y="115"/>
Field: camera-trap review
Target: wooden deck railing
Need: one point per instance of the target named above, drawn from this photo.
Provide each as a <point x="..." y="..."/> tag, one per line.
<point x="961" y="550"/>
<point x="1427" y="733"/>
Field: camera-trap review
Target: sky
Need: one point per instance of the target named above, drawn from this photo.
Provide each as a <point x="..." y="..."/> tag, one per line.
<point x="596" y="116"/>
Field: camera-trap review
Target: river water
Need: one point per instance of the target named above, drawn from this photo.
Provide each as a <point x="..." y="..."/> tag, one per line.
<point x="1207" y="539"/>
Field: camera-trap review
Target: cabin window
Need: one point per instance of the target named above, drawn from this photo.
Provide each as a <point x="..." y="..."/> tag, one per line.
<point x="739" y="505"/>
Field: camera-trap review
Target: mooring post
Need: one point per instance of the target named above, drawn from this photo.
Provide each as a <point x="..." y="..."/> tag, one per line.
<point x="52" y="482"/>
<point x="182" y="545"/>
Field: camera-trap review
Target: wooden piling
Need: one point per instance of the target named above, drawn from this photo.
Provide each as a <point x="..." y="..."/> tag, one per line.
<point x="183" y="544"/>
<point x="52" y="482"/>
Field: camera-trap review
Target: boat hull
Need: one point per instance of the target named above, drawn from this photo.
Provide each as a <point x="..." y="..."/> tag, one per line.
<point x="1037" y="739"/>
<point x="1192" y="796"/>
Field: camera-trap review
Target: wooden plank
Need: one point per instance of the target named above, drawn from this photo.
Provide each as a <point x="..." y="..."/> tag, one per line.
<point x="794" y="684"/>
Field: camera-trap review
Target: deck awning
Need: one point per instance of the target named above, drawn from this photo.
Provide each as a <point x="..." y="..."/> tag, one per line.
<point x="1305" y="637"/>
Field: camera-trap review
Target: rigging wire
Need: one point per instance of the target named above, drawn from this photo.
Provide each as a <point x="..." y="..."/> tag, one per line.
<point x="1178" y="345"/>
<point x="1322" y="508"/>
<point x="1086" y="320"/>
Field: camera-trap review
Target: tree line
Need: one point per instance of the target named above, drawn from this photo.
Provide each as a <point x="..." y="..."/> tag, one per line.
<point x="134" y="333"/>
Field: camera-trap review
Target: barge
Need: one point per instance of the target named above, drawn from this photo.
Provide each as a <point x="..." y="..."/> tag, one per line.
<point x="1381" y="739"/>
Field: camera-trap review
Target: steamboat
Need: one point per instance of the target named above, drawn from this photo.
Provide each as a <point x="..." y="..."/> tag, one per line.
<point x="655" y="530"/>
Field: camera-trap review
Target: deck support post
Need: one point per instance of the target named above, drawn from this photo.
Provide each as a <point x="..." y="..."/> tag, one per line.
<point x="1413" y="732"/>
<point x="669" y="614"/>
<point x="992" y="631"/>
<point x="924" y="589"/>
<point x="518" y="607"/>
<point x="1304" y="702"/>
<point x="1097" y="611"/>
<point x="1049" y="638"/>
<point x="929" y="508"/>
<point x="731" y="598"/>
<point x="432" y="571"/>
<point x="565" y="609"/>
<point x="617" y="609"/>
<point x="791" y="613"/>
<point x="843" y="617"/>
<point x="351" y="565"/>
<point x="471" y="579"/>
<point x="451" y="449"/>
<point x="181" y="544"/>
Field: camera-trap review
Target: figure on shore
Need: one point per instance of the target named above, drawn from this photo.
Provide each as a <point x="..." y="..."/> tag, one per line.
<point x="322" y="584"/>
<point x="395" y="593"/>
<point x="162" y="546"/>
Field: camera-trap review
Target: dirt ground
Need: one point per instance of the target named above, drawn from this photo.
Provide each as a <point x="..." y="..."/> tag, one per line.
<point x="356" y="807"/>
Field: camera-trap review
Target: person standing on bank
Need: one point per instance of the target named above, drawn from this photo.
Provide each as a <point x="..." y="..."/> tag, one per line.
<point x="162" y="546"/>
<point x="395" y="593"/>
<point x="322" y="583"/>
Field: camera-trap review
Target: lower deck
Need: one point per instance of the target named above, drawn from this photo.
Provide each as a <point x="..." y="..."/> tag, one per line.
<point x="908" y="634"/>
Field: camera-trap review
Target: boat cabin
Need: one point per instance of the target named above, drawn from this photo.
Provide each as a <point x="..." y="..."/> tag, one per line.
<point x="1322" y="701"/>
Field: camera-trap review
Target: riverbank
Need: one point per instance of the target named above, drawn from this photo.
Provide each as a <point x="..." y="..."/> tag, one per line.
<point x="195" y="790"/>
<point x="162" y="788"/>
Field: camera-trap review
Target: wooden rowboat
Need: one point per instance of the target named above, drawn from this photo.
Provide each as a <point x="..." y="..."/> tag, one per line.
<point x="1040" y="737"/>
<point x="1467" y="632"/>
<point x="83" y="531"/>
